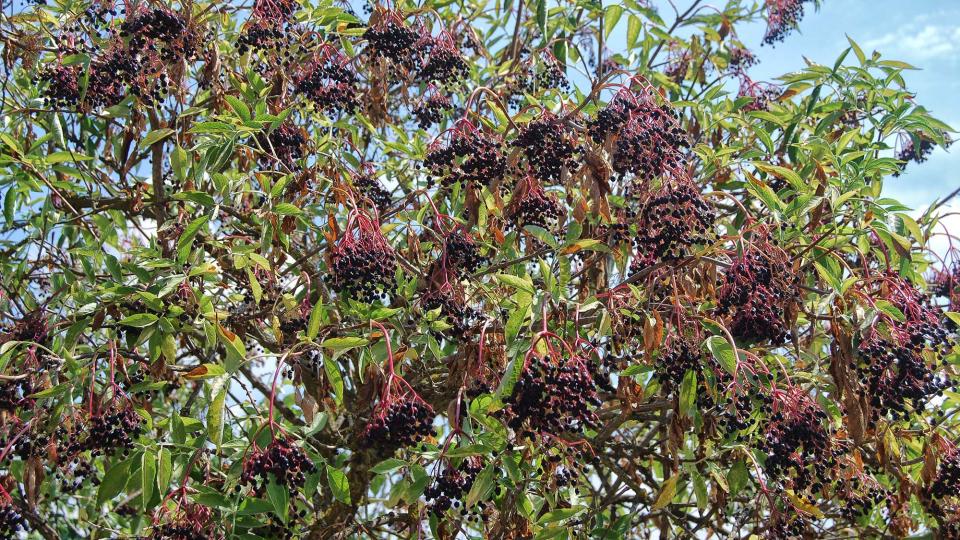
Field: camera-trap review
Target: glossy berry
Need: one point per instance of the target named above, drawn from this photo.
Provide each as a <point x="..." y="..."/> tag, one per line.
<point x="548" y="145"/>
<point x="280" y="461"/>
<point x="363" y="265"/>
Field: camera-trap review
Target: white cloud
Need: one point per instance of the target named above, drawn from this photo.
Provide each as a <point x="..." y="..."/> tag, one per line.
<point x="924" y="38"/>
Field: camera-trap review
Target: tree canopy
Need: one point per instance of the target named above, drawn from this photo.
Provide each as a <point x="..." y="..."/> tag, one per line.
<point x="464" y="269"/>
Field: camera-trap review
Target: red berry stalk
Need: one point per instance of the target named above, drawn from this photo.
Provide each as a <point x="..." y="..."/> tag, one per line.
<point x="362" y="262"/>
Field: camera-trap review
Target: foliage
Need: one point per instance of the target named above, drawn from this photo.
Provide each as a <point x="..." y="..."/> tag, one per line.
<point x="515" y="269"/>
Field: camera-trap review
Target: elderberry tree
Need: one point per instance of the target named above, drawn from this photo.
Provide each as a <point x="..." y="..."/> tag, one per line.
<point x="468" y="269"/>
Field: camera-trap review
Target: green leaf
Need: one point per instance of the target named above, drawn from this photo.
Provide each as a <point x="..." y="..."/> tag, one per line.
<point x="205" y="371"/>
<point x="316" y="315"/>
<point x="113" y="482"/>
<point x="238" y="107"/>
<point x="482" y="486"/>
<point x="334" y="377"/>
<point x="148" y="478"/>
<point x="164" y="470"/>
<point x="287" y="209"/>
<point x="218" y="389"/>
<point x="185" y="242"/>
<point x="279" y="497"/>
<point x="140" y="320"/>
<point x="723" y="352"/>
<point x="339" y="485"/>
<point x="688" y="393"/>
<point x="610" y="18"/>
<point x="523" y="284"/>
<point x="344" y="343"/>
<point x="388" y="466"/>
<point x="542" y="17"/>
<point x="155" y="136"/>
<point x="633" y="30"/>
<point x="560" y="514"/>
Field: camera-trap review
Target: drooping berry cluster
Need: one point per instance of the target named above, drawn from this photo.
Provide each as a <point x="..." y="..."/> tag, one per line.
<point x="554" y="394"/>
<point x="671" y="219"/>
<point x="532" y="205"/>
<point x="450" y="487"/>
<point x="61" y="85"/>
<point x="917" y="151"/>
<point x="461" y="252"/>
<point x="13" y="394"/>
<point x="390" y="38"/>
<point x="329" y="82"/>
<point x="946" y="483"/>
<point x="283" y="144"/>
<point x="741" y="59"/>
<point x="758" y="290"/>
<point x="782" y="17"/>
<point x="160" y="30"/>
<point x="898" y="360"/>
<point x="399" y="422"/>
<point x="797" y="443"/>
<point x="648" y="138"/>
<point x="281" y="461"/>
<point x="12" y="522"/>
<point x="678" y="355"/>
<point x="548" y="146"/>
<point x="370" y="187"/>
<point x="473" y="157"/>
<point x="444" y="63"/>
<point x="432" y="109"/>
<point x="362" y="263"/>
<point x="192" y="522"/>
<point x="762" y="94"/>
<point x="113" y="430"/>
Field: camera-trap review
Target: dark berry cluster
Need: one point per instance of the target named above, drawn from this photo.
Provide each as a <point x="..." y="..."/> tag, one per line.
<point x="370" y="187"/>
<point x="758" y="290"/>
<point x="277" y="11"/>
<point x="553" y="395"/>
<point x="859" y="498"/>
<point x="284" y="144"/>
<point x="362" y="263"/>
<point x="13" y="394"/>
<point x="946" y="483"/>
<point x="648" y="138"/>
<point x="398" y="423"/>
<point x="329" y="82"/>
<point x="192" y="522"/>
<point x="548" y="145"/>
<point x="390" y="38"/>
<point x="785" y="526"/>
<point x="461" y="252"/>
<point x="472" y="157"/>
<point x="431" y="110"/>
<point x="782" y="18"/>
<point x="163" y="31"/>
<point x="12" y="522"/>
<point x="912" y="151"/>
<point x="450" y="487"/>
<point x="761" y="94"/>
<point x="679" y="355"/>
<point x="670" y="220"/>
<point x="281" y="461"/>
<point x="108" y="78"/>
<point x="532" y="205"/>
<point x="797" y="444"/>
<point x="741" y="59"/>
<point x="113" y="430"/>
<point x="61" y="86"/>
<point x="444" y="63"/>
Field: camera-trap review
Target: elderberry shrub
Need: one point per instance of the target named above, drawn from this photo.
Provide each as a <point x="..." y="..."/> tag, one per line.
<point x="612" y="118"/>
<point x="444" y="63"/>
<point x="785" y="526"/>
<point x="679" y="355"/>
<point x="329" y="83"/>
<point x="12" y="522"/>
<point x="283" y="144"/>
<point x="671" y="219"/>
<point x="782" y="17"/>
<point x="108" y="77"/>
<point x="281" y="461"/>
<point x="114" y="430"/>
<point x="761" y="94"/>
<point x="532" y="205"/>
<point x="946" y="483"/>
<point x="918" y="153"/>
<point x="553" y="395"/>
<point x="856" y="500"/>
<point x="449" y="488"/>
<point x="398" y="423"/>
<point x="191" y="523"/>
<point x="13" y="395"/>
<point x="363" y="264"/>
<point x="756" y="292"/>
<point x="548" y="146"/>
<point x="431" y="110"/>
<point x="163" y="31"/>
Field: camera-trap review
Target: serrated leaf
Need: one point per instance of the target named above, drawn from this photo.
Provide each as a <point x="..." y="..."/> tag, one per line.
<point x="218" y="389"/>
<point x="388" y="466"/>
<point x="279" y="497"/>
<point x="205" y="371"/>
<point x="339" y="485"/>
<point x="611" y="17"/>
<point x="688" y="393"/>
<point x="723" y="352"/>
<point x="519" y="283"/>
<point x="148" y="478"/>
<point x="155" y="136"/>
<point x="113" y="481"/>
<point x="482" y="486"/>
<point x="334" y="378"/>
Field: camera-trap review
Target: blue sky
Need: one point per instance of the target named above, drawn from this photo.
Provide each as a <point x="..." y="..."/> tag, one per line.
<point x="925" y="33"/>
